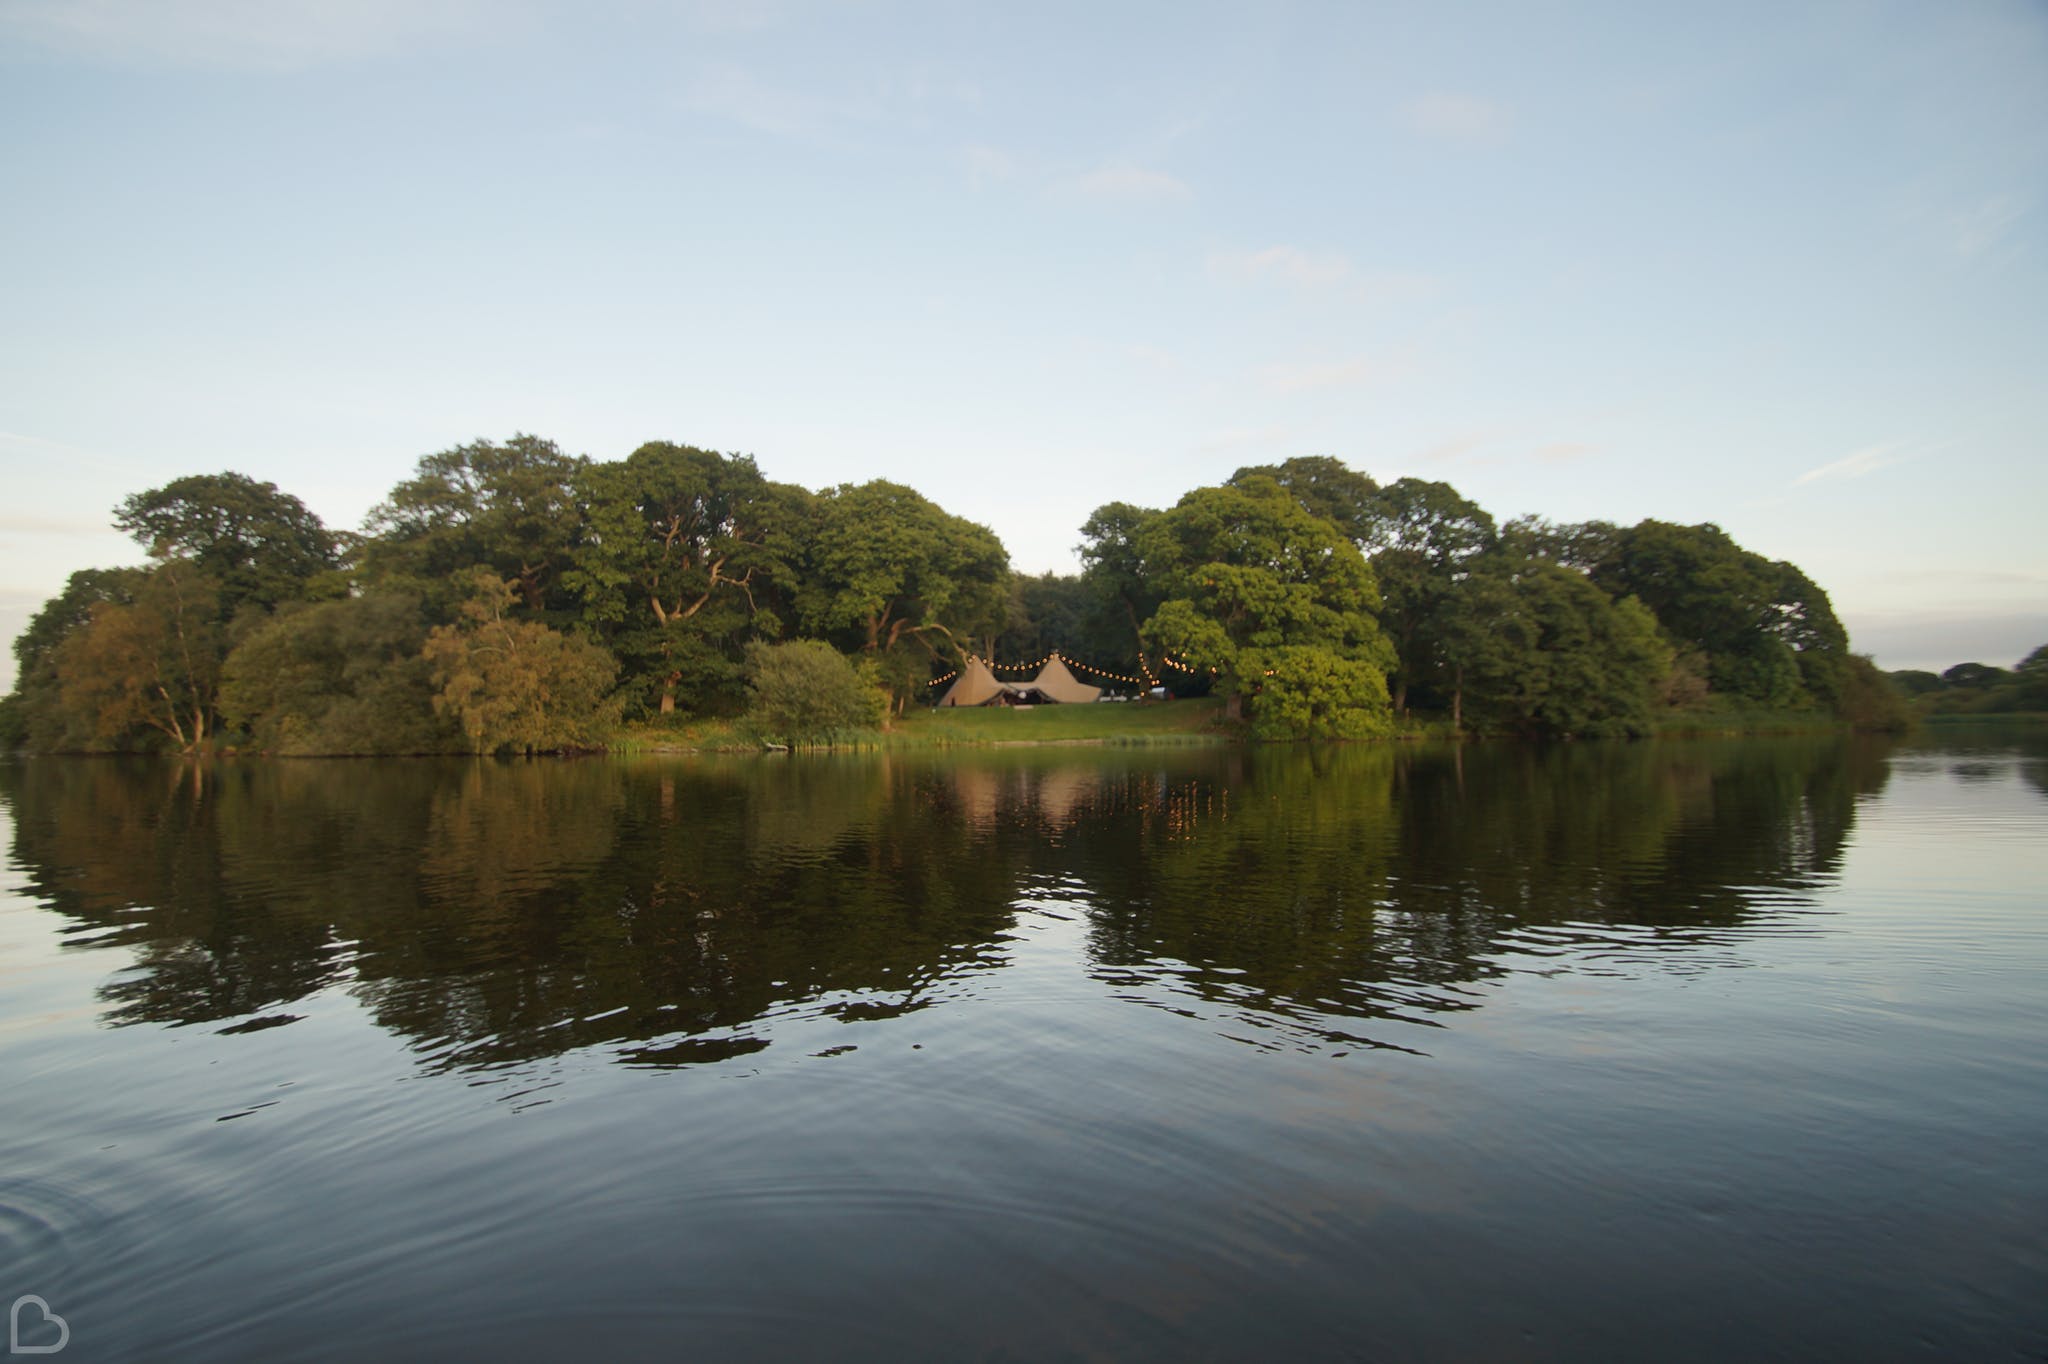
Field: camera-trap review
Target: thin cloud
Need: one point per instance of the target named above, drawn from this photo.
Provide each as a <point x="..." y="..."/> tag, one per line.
<point x="1456" y="447"/>
<point x="1865" y="461"/>
<point x="732" y="16"/>
<point x="243" y="34"/>
<point x="737" y="95"/>
<point x="1982" y="226"/>
<point x="1328" y="273"/>
<point x="1358" y="372"/>
<point x="1456" y="118"/>
<point x="1244" y="437"/>
<point x="990" y="166"/>
<point x="1285" y="264"/>
<point x="1464" y="445"/>
<point x="1132" y="184"/>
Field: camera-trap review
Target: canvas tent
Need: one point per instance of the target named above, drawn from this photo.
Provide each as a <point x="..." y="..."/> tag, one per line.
<point x="977" y="686"/>
<point x="1056" y="683"/>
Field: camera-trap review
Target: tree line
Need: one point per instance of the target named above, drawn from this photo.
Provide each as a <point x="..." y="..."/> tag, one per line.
<point x="508" y="596"/>
<point x="1978" y="688"/>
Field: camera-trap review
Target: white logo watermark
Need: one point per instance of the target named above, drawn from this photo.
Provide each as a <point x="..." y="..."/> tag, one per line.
<point x="15" y="1346"/>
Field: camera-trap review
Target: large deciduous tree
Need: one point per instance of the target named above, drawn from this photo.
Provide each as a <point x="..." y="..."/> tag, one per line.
<point x="1422" y="537"/>
<point x="260" y="545"/>
<point x="1327" y="487"/>
<point x="1536" y="650"/>
<point x="337" y="677"/>
<point x="1113" y="567"/>
<point x="515" y="684"/>
<point x="892" y="576"/>
<point x="1275" y="600"/>
<point x="1769" y="635"/>
<point x="511" y="506"/>
<point x="39" y="717"/>
<point x="686" y="553"/>
<point x="149" y="663"/>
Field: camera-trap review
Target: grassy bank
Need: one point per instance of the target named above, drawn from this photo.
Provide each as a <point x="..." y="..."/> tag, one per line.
<point x="1171" y="722"/>
<point x="1167" y="722"/>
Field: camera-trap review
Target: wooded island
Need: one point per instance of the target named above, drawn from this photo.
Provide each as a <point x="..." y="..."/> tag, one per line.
<point x="509" y="597"/>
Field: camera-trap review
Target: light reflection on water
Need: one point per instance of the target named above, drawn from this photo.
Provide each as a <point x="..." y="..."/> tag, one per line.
<point x="1686" y="1049"/>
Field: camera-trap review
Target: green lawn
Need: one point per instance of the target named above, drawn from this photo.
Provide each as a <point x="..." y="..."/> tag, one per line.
<point x="1101" y="722"/>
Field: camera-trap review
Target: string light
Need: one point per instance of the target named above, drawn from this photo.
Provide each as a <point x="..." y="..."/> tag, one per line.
<point x="1148" y="681"/>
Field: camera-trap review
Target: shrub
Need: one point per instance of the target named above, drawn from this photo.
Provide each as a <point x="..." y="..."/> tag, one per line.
<point x="805" y="692"/>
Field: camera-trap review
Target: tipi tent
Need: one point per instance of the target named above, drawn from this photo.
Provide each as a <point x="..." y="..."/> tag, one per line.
<point x="976" y="686"/>
<point x="1056" y="683"/>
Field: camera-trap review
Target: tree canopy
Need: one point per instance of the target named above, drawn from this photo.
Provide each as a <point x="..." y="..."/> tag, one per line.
<point x="511" y="596"/>
<point x="260" y="545"/>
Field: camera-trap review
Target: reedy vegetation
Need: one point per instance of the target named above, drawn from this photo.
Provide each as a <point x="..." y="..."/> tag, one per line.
<point x="511" y="597"/>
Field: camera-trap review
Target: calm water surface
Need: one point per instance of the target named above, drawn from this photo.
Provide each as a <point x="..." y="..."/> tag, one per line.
<point x="1673" y="1051"/>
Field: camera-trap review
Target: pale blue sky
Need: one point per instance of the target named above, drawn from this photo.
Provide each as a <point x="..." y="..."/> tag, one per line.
<point x="1779" y="267"/>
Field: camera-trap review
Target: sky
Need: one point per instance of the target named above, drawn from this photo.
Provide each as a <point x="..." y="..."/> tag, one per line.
<point x="1779" y="267"/>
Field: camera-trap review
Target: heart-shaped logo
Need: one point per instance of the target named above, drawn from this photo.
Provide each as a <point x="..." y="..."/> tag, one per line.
<point x="49" y="1318"/>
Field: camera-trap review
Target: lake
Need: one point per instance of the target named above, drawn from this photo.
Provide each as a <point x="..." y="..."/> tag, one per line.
<point x="1675" y="1050"/>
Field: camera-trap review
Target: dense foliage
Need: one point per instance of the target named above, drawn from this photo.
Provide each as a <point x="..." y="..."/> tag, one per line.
<point x="1978" y="688"/>
<point x="509" y="596"/>
<point x="804" y="692"/>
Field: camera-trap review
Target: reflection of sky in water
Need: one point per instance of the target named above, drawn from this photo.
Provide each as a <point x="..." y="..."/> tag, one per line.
<point x="1131" y="1054"/>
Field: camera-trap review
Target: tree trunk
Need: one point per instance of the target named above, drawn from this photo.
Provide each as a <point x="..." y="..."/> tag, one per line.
<point x="1233" y="706"/>
<point x="1458" y="701"/>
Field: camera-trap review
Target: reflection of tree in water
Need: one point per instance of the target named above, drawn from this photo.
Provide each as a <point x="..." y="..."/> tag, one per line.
<point x="498" y="912"/>
<point x="138" y="855"/>
<point x="1368" y="883"/>
<point x="730" y="892"/>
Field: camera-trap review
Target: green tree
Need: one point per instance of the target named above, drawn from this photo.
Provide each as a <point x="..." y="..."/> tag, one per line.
<point x="1249" y="579"/>
<point x="1804" y="619"/>
<point x="1063" y="612"/>
<point x="1328" y="488"/>
<point x="1422" y="536"/>
<point x="511" y="506"/>
<point x="338" y="677"/>
<point x="2032" y="680"/>
<point x="890" y="575"/>
<point x="149" y="664"/>
<point x="1125" y="593"/>
<point x="515" y="684"/>
<point x="1869" y="699"/>
<point x="1536" y="650"/>
<point x="40" y="720"/>
<point x="686" y="554"/>
<point x="1975" y="676"/>
<point x="805" y="692"/>
<point x="1768" y="633"/>
<point x="260" y="545"/>
<point x="1916" y="681"/>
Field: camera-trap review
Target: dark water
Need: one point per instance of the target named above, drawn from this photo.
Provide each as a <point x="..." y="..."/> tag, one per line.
<point x="1677" y="1051"/>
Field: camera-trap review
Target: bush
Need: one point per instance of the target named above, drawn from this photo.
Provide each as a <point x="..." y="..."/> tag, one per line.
<point x="338" y="677"/>
<point x="806" y="693"/>
<point x="1872" y="701"/>
<point x="516" y="685"/>
<point x="1311" y="693"/>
